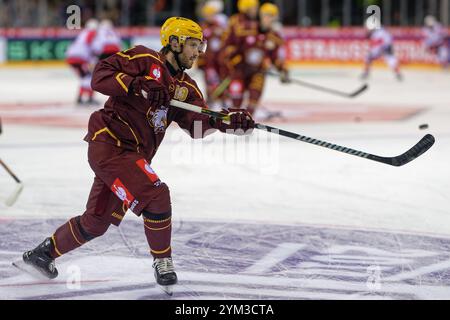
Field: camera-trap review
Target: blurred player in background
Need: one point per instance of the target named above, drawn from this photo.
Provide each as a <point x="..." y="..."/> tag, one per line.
<point x="239" y="24"/>
<point x="107" y="41"/>
<point x="254" y="51"/>
<point x="81" y="57"/>
<point x="436" y="40"/>
<point x="125" y="135"/>
<point x="214" y="25"/>
<point x="381" y="45"/>
<point x="245" y="19"/>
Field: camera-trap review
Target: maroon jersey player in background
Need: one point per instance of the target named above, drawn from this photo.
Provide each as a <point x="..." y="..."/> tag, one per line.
<point x="124" y="136"/>
<point x="213" y="25"/>
<point x="250" y="53"/>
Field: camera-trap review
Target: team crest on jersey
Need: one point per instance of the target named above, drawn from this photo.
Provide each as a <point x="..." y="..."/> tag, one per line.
<point x="158" y="119"/>
<point x="155" y="72"/>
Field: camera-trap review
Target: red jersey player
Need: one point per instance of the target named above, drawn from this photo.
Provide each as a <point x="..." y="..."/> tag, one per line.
<point x="436" y="40"/>
<point x="381" y="45"/>
<point x="253" y="52"/>
<point x="81" y="57"/>
<point x="107" y="41"/>
<point x="123" y="138"/>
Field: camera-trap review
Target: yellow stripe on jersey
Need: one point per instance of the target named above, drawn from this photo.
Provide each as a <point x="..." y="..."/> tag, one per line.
<point x="192" y="86"/>
<point x="157" y="229"/>
<point x="105" y="129"/>
<point x="54" y="245"/>
<point x="119" y="77"/>
<point x="132" y="132"/>
<point x="139" y="55"/>
<point x="73" y="234"/>
<point x="160" y="252"/>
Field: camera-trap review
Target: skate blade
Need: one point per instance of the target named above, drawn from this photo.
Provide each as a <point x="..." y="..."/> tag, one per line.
<point x="167" y="289"/>
<point x="28" y="269"/>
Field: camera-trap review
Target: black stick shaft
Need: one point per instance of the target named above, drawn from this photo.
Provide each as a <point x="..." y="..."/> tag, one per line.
<point x="419" y="148"/>
<point x="316" y="142"/>
<point x="9" y="171"/>
<point x="325" y="89"/>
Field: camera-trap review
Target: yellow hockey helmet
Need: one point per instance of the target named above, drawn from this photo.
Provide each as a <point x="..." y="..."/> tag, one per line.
<point x="245" y="5"/>
<point x="182" y="29"/>
<point x="269" y="9"/>
<point x="211" y="8"/>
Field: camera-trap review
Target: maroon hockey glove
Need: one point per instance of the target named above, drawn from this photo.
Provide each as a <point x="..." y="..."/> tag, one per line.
<point x="241" y="122"/>
<point x="156" y="94"/>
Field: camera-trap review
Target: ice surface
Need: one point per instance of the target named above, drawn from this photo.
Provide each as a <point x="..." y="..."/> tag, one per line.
<point x="259" y="217"/>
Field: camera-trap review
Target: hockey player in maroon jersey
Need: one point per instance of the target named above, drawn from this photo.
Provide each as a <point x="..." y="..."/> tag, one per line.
<point x="123" y="138"/>
<point x="239" y="24"/>
<point x="213" y="26"/>
<point x="250" y="54"/>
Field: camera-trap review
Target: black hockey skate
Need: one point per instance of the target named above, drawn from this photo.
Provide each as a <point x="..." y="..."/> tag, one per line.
<point x="41" y="260"/>
<point x="165" y="274"/>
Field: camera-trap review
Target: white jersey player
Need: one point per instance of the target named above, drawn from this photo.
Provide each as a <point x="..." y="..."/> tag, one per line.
<point x="436" y="40"/>
<point x="81" y="57"/>
<point x="107" y="41"/>
<point x="381" y="45"/>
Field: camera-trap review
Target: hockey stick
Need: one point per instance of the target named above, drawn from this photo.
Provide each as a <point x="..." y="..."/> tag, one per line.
<point x="13" y="197"/>
<point x="419" y="148"/>
<point x="324" y="89"/>
<point x="220" y="88"/>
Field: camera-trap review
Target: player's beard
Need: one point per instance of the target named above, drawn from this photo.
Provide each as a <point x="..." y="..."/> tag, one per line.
<point x="186" y="62"/>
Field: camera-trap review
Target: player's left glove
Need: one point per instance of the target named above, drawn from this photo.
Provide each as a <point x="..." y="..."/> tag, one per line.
<point x="241" y="122"/>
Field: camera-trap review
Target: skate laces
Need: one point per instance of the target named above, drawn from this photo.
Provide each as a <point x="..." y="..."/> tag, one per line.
<point x="163" y="265"/>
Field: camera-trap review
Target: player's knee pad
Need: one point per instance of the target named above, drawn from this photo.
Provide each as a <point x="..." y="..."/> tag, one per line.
<point x="160" y="201"/>
<point x="90" y="227"/>
<point x="156" y="216"/>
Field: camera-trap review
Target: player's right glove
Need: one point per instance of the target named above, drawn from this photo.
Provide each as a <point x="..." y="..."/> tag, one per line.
<point x="241" y="122"/>
<point x="150" y="89"/>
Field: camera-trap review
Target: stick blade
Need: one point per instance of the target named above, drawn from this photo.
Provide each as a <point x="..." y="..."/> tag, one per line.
<point x="13" y="197"/>
<point x="359" y="91"/>
<point x="418" y="149"/>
